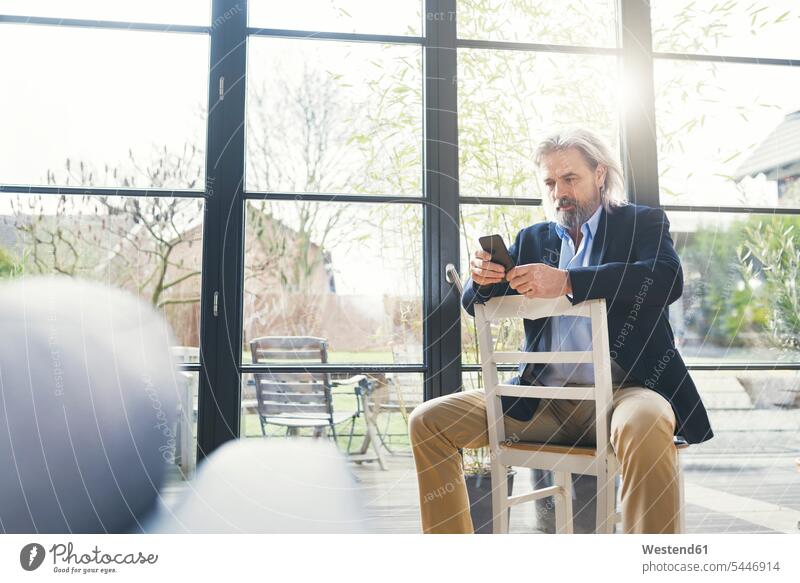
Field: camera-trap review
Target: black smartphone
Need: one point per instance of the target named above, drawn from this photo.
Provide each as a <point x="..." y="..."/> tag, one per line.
<point x="496" y="247"/>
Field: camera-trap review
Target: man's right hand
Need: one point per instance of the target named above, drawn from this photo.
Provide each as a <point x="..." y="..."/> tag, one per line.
<point x="483" y="271"/>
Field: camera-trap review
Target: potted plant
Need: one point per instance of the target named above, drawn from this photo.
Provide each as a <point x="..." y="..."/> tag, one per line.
<point x="478" y="477"/>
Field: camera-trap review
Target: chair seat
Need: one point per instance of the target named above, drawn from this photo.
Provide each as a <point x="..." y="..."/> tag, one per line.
<point x="551" y="448"/>
<point x="571" y="449"/>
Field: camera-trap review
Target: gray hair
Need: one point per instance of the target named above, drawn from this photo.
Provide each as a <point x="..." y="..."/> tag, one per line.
<point x="595" y="151"/>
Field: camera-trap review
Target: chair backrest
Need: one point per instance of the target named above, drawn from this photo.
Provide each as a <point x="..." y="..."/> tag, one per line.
<point x="292" y="394"/>
<point x="532" y="309"/>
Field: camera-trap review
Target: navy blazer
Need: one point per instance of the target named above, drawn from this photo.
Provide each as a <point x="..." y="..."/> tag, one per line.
<point x="635" y="268"/>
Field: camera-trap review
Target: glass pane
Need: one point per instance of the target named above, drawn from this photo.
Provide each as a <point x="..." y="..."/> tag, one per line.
<point x="197" y="12"/>
<point x="112" y="108"/>
<point x="727" y="134"/>
<point x="185" y="453"/>
<point x="508" y="101"/>
<point x="151" y="247"/>
<point x="740" y="275"/>
<point x="399" y="17"/>
<point x="393" y="397"/>
<point x="575" y="22"/>
<point x="348" y="273"/>
<point x="334" y="117"/>
<point x="477" y="221"/>
<point x="749" y="29"/>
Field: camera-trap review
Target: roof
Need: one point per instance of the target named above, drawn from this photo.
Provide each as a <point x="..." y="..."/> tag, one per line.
<point x="778" y="156"/>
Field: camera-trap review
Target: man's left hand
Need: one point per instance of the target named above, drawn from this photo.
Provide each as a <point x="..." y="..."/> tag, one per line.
<point x="539" y="280"/>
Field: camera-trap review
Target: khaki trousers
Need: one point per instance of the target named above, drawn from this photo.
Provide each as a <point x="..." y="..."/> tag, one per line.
<point x="642" y="427"/>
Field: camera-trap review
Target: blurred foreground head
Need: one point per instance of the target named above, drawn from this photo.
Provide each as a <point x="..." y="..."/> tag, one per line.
<point x="87" y="407"/>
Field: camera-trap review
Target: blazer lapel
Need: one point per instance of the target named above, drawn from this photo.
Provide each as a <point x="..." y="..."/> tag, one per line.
<point x="600" y="245"/>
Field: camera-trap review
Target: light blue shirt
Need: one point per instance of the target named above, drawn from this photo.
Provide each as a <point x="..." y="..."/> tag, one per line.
<point x="573" y="333"/>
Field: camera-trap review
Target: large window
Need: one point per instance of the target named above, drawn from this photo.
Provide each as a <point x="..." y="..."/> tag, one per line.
<point x="519" y="78"/>
<point x="726" y="109"/>
<point x="103" y="157"/>
<point x="333" y="216"/>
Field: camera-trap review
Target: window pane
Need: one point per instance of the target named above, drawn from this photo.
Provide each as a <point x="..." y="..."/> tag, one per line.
<point x="334" y="117"/>
<point x="728" y="134"/>
<point x="348" y="273"/>
<point x="576" y="22"/>
<point x="151" y="247"/>
<point x="477" y="221"/>
<point x="185" y="454"/>
<point x="398" y="17"/>
<point x="740" y="275"/>
<point x="508" y="101"/>
<point x="113" y="108"/>
<point x="750" y="29"/>
<point x="394" y="396"/>
<point x="197" y="12"/>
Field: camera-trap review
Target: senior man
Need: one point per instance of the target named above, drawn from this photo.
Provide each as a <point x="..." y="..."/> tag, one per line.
<point x="597" y="246"/>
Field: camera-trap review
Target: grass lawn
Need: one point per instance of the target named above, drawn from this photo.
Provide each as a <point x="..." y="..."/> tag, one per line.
<point x="377" y="357"/>
<point x="341" y="402"/>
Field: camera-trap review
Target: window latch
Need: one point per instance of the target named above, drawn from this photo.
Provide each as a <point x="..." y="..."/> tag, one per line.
<point x="216" y="304"/>
<point x="221" y="87"/>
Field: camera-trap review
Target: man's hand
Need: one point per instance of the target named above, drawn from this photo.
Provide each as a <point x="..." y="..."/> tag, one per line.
<point x="483" y="271"/>
<point x="539" y="280"/>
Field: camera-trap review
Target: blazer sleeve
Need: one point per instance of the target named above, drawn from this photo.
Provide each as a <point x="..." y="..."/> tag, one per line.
<point x="654" y="279"/>
<point x="477" y="294"/>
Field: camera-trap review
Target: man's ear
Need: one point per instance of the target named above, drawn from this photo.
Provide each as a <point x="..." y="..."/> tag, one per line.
<point x="600" y="175"/>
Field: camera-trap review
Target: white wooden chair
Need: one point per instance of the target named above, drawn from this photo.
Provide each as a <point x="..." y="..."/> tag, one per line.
<point x="599" y="461"/>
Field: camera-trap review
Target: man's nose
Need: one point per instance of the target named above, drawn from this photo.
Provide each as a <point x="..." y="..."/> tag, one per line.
<point x="560" y="191"/>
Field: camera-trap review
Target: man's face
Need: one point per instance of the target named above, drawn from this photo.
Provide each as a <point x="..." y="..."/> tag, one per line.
<point x="572" y="187"/>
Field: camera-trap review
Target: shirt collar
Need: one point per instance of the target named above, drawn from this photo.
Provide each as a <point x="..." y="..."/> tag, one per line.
<point x="591" y="225"/>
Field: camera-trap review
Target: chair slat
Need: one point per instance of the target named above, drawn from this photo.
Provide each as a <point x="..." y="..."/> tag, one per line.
<point x="292" y="377"/>
<point x="533" y="308"/>
<point x="268" y="408"/>
<point x="289" y="342"/>
<point x="535" y="495"/>
<point x="271" y="385"/>
<point x="273" y="397"/>
<point x="580" y="393"/>
<point x="582" y="357"/>
<point x="311" y="355"/>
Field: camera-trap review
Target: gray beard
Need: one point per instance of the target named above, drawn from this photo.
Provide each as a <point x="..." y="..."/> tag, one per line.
<point x="574" y="219"/>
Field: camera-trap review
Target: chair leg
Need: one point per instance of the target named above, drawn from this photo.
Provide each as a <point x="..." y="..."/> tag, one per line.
<point x="499" y="498"/>
<point x="563" y="502"/>
<point x="605" y="502"/>
<point x="681" y="498"/>
<point x="350" y="436"/>
<point x="383" y="436"/>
